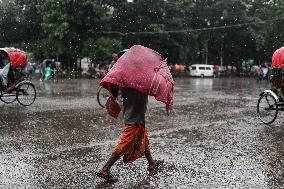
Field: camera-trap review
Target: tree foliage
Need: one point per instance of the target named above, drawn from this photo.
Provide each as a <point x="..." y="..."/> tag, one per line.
<point x="186" y="31"/>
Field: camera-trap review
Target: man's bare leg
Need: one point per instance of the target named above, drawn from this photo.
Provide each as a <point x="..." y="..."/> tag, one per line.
<point x="105" y="171"/>
<point x="109" y="163"/>
<point x="10" y="89"/>
<point x="153" y="164"/>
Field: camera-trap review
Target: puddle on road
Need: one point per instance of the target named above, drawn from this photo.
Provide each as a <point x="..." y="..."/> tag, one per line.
<point x="212" y="140"/>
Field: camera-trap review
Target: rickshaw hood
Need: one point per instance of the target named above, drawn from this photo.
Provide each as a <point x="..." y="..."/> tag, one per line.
<point x="278" y="58"/>
<point x="18" y="58"/>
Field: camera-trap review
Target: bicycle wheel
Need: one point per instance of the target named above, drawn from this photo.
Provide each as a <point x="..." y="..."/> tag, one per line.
<point x="8" y="98"/>
<point x="102" y="96"/>
<point x="267" y="108"/>
<point x="26" y="94"/>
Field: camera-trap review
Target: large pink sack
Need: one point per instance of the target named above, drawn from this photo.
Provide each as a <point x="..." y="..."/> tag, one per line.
<point x="278" y="58"/>
<point x="145" y="70"/>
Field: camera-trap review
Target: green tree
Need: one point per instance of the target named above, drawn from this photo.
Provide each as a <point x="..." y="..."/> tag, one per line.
<point x="186" y="31"/>
<point x="19" y="23"/>
<point x="269" y="35"/>
<point x="100" y="49"/>
<point x="70" y="23"/>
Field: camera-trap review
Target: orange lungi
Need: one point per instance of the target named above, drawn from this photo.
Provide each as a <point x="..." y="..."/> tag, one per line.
<point x="133" y="144"/>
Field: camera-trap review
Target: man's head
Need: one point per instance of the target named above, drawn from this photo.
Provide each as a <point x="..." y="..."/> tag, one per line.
<point x="114" y="56"/>
<point x="120" y="53"/>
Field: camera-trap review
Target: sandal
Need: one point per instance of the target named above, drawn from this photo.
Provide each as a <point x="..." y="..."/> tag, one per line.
<point x="108" y="177"/>
<point x="156" y="165"/>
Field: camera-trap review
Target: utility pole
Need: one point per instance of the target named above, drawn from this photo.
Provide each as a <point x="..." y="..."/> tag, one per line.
<point x="221" y="53"/>
<point x="221" y="63"/>
<point x="206" y="51"/>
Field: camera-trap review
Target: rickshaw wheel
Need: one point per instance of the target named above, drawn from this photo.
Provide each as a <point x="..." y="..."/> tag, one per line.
<point x="267" y="108"/>
<point x="8" y="98"/>
<point x="102" y="96"/>
<point x="26" y="94"/>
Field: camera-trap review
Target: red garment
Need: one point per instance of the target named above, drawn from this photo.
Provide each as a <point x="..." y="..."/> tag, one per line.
<point x="18" y="58"/>
<point x="144" y="70"/>
<point x="112" y="107"/>
<point x="134" y="143"/>
<point x="278" y="58"/>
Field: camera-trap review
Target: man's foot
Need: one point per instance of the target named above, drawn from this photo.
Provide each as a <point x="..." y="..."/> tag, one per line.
<point x="107" y="176"/>
<point x="156" y="163"/>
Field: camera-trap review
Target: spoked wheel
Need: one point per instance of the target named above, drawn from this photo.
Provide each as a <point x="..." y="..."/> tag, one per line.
<point x="102" y="96"/>
<point x="8" y="98"/>
<point x="26" y="94"/>
<point x="267" y="108"/>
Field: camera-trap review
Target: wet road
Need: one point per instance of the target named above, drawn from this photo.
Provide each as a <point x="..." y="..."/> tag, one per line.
<point x="213" y="139"/>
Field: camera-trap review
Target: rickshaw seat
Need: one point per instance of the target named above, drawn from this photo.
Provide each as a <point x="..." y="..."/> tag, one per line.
<point x="277" y="80"/>
<point x="277" y="77"/>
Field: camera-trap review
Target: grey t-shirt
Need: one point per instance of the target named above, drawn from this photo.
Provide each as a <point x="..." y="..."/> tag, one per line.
<point x="134" y="106"/>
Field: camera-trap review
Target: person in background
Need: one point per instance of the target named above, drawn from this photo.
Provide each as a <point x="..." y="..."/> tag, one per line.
<point x="4" y="70"/>
<point x="29" y="70"/>
<point x="10" y="77"/>
<point x="263" y="72"/>
<point x="88" y="72"/>
<point x="42" y="67"/>
<point x="114" y="59"/>
<point x="53" y="69"/>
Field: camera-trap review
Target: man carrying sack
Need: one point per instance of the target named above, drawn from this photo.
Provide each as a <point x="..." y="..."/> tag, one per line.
<point x="138" y="73"/>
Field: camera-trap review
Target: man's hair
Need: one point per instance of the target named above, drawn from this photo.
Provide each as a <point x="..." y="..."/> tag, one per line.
<point x="120" y="53"/>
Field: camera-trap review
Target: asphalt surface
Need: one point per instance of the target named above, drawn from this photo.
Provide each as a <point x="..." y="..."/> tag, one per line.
<point x="213" y="139"/>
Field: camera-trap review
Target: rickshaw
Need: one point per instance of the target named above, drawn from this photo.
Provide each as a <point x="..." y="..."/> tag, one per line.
<point x="13" y="84"/>
<point x="271" y="101"/>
